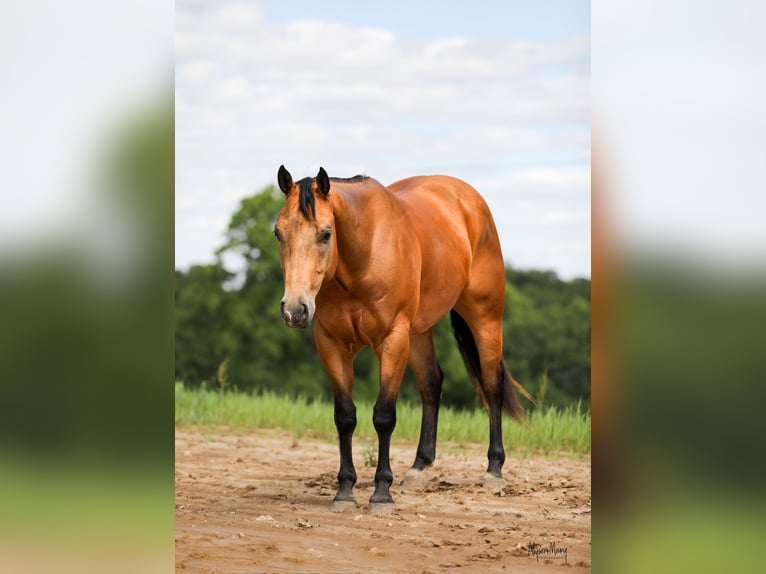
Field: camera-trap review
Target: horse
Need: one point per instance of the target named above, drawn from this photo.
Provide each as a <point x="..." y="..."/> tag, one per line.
<point x="379" y="266"/>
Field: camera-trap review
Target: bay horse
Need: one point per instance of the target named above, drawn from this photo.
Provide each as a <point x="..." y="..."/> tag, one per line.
<point x="380" y="266"/>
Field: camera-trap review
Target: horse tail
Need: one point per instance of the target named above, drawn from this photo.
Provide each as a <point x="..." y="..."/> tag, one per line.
<point x="506" y="383"/>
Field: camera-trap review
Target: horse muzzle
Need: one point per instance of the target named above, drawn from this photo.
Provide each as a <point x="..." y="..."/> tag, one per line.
<point x="299" y="314"/>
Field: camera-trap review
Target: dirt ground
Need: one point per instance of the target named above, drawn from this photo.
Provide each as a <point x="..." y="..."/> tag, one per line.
<point x="258" y="501"/>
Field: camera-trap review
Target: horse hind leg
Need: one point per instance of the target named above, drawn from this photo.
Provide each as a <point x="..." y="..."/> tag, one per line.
<point x="429" y="377"/>
<point x="480" y="341"/>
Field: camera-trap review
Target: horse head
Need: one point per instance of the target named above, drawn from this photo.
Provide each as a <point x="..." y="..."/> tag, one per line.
<point x="305" y="229"/>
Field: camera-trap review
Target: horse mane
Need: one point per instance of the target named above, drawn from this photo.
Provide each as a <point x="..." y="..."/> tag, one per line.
<point x="355" y="179"/>
<point x="306" y="200"/>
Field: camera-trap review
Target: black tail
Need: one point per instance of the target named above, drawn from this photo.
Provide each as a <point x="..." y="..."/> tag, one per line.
<point x="467" y="345"/>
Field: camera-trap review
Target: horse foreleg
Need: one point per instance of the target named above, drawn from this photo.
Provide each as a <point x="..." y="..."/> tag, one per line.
<point x="393" y="360"/>
<point x="339" y="367"/>
<point x="345" y="422"/>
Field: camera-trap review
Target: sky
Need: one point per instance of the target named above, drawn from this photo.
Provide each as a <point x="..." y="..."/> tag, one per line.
<point x="494" y="93"/>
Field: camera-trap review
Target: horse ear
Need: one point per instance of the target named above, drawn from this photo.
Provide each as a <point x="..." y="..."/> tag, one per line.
<point x="285" y="180"/>
<point x="323" y="182"/>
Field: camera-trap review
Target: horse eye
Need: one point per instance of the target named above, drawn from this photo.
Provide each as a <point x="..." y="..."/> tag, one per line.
<point x="325" y="237"/>
<point x="277" y="235"/>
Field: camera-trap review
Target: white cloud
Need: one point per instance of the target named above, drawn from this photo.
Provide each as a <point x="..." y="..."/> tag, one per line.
<point x="568" y="178"/>
<point x="559" y="217"/>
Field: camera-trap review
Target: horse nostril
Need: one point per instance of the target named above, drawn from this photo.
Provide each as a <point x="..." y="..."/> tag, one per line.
<point x="305" y="310"/>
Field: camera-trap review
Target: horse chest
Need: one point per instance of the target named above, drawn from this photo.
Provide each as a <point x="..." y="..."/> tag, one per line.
<point x="353" y="323"/>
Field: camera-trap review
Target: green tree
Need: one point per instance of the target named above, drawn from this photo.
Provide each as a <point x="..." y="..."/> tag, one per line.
<point x="203" y="334"/>
<point x="547" y="334"/>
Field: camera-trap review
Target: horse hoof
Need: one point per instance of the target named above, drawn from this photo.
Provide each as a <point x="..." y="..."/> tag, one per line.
<point x="342" y="505"/>
<point x="413" y="479"/>
<point x="381" y="508"/>
<point x="492" y="481"/>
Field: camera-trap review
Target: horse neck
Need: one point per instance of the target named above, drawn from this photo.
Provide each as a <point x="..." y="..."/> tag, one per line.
<point x="357" y="216"/>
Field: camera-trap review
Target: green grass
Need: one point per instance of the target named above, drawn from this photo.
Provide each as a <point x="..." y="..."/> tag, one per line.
<point x="551" y="431"/>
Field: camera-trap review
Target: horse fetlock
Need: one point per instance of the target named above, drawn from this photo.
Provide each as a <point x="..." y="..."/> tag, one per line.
<point x="424" y="458"/>
<point x="384" y="477"/>
<point x="381" y="496"/>
<point x="347" y="478"/>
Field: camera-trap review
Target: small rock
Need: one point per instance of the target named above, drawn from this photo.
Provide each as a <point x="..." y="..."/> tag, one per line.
<point x="519" y="550"/>
<point x="264" y="518"/>
<point x="375" y="551"/>
<point x="303" y="523"/>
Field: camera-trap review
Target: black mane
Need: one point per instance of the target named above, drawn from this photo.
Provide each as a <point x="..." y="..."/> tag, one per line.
<point x="355" y="179"/>
<point x="306" y="200"/>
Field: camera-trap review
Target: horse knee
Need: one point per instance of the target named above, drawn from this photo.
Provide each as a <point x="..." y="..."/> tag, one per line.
<point x="384" y="417"/>
<point x="345" y="417"/>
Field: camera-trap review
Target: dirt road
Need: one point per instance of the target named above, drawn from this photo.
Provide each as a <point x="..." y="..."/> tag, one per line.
<point x="258" y="501"/>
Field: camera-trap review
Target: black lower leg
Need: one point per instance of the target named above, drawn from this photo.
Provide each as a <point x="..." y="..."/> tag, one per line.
<point x="345" y="422"/>
<point x="496" y="452"/>
<point x="384" y="421"/>
<point x="431" y="396"/>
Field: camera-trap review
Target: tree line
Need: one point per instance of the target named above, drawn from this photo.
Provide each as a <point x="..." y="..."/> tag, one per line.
<point x="230" y="335"/>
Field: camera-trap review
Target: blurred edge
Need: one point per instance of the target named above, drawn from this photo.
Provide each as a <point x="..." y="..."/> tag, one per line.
<point x="679" y="287"/>
<point x="86" y="288"/>
<point x="86" y="347"/>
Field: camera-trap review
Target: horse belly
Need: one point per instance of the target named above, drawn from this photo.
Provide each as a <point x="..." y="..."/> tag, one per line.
<point x="441" y="284"/>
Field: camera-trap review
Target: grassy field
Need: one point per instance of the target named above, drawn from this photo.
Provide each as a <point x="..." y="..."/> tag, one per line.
<point x="551" y="431"/>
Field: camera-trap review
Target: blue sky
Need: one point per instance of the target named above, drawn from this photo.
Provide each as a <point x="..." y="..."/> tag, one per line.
<point x="542" y="21"/>
<point x="495" y="93"/>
